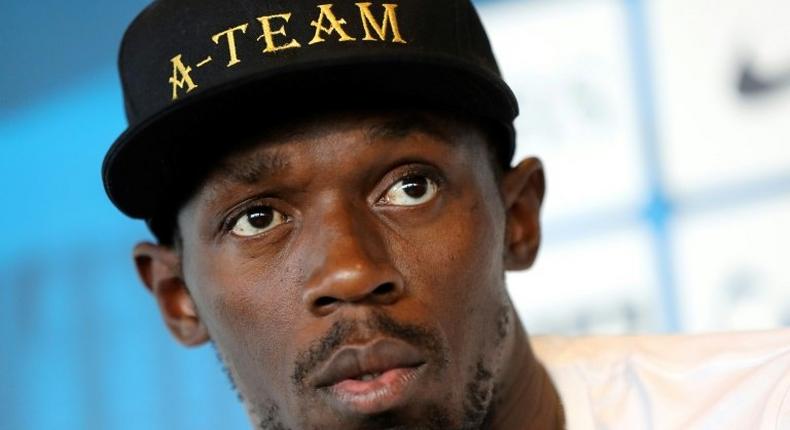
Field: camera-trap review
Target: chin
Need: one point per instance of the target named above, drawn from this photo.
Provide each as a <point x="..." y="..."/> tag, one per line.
<point x="411" y="416"/>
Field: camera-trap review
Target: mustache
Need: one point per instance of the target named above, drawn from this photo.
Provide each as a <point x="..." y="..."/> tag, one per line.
<point x="343" y="332"/>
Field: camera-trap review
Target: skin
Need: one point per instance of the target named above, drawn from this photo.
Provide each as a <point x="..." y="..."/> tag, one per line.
<point x="355" y="260"/>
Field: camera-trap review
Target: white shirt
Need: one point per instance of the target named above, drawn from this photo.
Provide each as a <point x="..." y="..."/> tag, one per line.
<point x="718" y="382"/>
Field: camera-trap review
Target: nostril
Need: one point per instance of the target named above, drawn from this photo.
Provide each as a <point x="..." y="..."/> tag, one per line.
<point x="324" y="301"/>
<point x="384" y="289"/>
<point x="384" y="293"/>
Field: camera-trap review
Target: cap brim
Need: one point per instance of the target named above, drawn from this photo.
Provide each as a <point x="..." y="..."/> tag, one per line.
<point x="138" y="172"/>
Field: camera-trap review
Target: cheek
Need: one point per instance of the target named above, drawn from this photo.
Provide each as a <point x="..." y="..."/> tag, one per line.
<point x="244" y="311"/>
<point x="457" y="271"/>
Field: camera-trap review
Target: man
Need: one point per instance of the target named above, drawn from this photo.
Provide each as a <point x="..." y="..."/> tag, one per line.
<point x="331" y="190"/>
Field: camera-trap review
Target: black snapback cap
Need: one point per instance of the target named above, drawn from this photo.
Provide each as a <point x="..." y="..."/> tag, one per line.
<point x="193" y="69"/>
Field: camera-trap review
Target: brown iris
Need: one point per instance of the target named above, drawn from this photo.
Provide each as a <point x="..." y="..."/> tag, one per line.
<point x="415" y="186"/>
<point x="260" y="217"/>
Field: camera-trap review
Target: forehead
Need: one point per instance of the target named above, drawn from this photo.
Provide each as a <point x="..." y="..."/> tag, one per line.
<point x="262" y="152"/>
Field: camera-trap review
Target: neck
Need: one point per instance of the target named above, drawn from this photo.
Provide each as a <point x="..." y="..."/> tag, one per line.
<point x="528" y="399"/>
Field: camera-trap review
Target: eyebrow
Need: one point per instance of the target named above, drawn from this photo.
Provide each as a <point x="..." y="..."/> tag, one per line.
<point x="404" y="125"/>
<point x="250" y="169"/>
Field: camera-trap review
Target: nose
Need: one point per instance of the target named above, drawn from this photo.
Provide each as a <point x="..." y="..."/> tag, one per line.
<point x="349" y="264"/>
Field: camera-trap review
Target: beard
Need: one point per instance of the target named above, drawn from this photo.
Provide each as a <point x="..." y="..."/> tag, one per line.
<point x="478" y="405"/>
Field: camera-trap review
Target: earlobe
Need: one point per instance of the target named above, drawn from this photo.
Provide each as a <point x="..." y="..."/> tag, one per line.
<point x="523" y="188"/>
<point x="159" y="269"/>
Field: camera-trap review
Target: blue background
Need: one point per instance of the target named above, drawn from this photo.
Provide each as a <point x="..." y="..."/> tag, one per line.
<point x="84" y="347"/>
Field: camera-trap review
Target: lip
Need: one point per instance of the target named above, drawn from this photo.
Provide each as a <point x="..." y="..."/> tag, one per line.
<point x="397" y="364"/>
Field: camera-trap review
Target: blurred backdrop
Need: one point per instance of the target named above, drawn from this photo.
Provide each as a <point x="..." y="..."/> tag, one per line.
<point x="664" y="126"/>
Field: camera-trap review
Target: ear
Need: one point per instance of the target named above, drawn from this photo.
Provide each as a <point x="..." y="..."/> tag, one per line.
<point x="522" y="190"/>
<point x="159" y="268"/>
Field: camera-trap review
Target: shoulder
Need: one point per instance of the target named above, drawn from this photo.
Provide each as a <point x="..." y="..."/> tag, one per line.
<point x="672" y="382"/>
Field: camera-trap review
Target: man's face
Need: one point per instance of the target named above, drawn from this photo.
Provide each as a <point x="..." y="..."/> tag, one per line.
<point x="350" y="271"/>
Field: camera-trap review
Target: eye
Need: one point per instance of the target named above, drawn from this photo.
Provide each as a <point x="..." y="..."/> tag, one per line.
<point x="410" y="191"/>
<point x="257" y="220"/>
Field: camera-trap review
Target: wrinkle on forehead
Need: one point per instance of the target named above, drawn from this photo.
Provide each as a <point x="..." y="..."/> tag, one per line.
<point x="250" y="167"/>
<point x="403" y="125"/>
